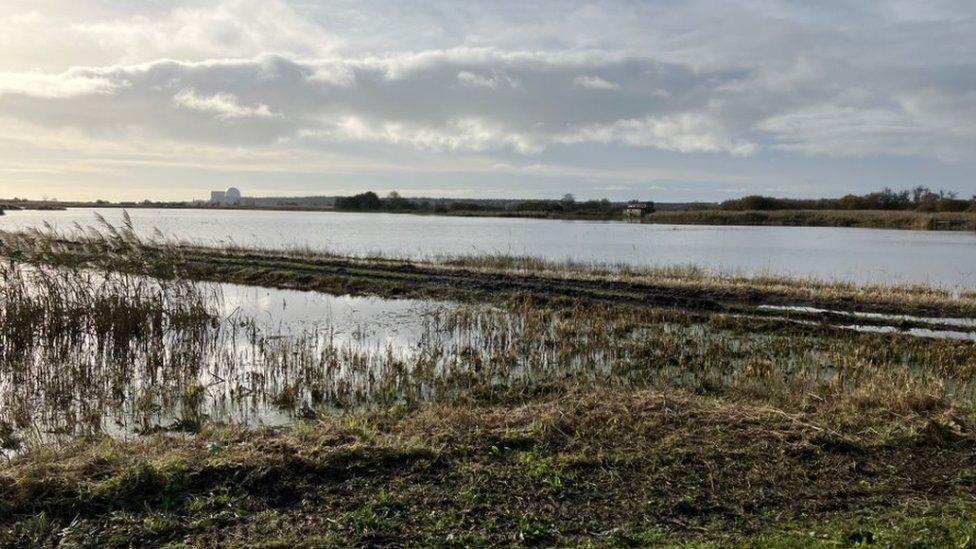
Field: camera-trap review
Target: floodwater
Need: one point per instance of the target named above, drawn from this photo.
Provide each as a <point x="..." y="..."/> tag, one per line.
<point x="251" y="365"/>
<point x="268" y="356"/>
<point x="861" y="255"/>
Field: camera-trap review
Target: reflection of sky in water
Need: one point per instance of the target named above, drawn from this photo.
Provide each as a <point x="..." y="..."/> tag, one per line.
<point x="365" y="321"/>
<point x="257" y="350"/>
<point x="863" y="255"/>
<point x="947" y="321"/>
<point x="349" y="347"/>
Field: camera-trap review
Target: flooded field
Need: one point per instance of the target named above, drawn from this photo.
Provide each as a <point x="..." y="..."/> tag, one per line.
<point x="83" y="352"/>
<point x="138" y="383"/>
<point x="860" y="255"/>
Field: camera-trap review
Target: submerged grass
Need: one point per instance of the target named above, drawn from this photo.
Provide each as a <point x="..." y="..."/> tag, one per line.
<point x="76" y="343"/>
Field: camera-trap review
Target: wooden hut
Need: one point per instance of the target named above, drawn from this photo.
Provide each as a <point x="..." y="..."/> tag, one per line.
<point x="637" y="210"/>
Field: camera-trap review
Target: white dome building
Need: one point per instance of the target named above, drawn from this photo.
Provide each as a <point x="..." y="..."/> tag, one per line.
<point x="233" y="196"/>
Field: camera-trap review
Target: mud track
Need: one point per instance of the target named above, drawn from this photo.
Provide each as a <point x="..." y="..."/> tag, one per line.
<point x="406" y="279"/>
<point x="391" y="278"/>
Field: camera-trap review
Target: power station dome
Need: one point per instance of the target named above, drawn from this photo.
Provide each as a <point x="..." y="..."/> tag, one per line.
<point x="233" y="195"/>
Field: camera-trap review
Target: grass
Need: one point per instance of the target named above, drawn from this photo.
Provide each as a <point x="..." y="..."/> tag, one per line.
<point x="177" y="375"/>
<point x="593" y="468"/>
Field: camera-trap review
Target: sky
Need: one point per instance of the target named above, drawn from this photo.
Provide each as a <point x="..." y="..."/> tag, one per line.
<point x="668" y="100"/>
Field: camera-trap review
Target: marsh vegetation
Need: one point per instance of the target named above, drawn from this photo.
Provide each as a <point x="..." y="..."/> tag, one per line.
<point x="507" y="400"/>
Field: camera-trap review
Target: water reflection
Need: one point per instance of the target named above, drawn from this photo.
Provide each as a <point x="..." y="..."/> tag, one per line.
<point x="82" y="352"/>
<point x="862" y="255"/>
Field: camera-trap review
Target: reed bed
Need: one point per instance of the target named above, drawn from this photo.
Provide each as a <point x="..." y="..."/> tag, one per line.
<point x="137" y="355"/>
<point x="141" y="348"/>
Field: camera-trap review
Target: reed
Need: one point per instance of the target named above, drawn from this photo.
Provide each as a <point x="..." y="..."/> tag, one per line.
<point x="171" y="364"/>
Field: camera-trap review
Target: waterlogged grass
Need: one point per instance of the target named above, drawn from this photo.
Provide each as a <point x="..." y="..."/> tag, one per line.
<point x="177" y="365"/>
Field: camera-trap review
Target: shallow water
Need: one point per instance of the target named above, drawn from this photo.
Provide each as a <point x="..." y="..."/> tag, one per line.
<point x="234" y="370"/>
<point x="862" y="255"/>
<point x="274" y="354"/>
<point x="944" y="321"/>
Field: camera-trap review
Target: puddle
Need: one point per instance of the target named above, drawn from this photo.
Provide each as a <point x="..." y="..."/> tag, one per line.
<point x="917" y="332"/>
<point x="944" y="321"/>
<point x="256" y="357"/>
<point x="174" y="357"/>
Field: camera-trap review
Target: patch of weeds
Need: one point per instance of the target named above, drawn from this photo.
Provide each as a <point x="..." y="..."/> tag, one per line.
<point x="33" y="530"/>
<point x="947" y="525"/>
<point x="129" y="487"/>
<point x="378" y="514"/>
<point x="164" y="485"/>
<point x="361" y="427"/>
<point x="158" y="524"/>
<point x="534" y="531"/>
<point x="639" y="538"/>
<point x="543" y="468"/>
<point x="303" y="428"/>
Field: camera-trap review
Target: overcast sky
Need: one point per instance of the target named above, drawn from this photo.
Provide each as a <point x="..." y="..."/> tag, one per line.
<point x="660" y="99"/>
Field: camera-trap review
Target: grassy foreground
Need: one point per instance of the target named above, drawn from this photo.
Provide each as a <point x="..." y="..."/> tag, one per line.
<point x="594" y="468"/>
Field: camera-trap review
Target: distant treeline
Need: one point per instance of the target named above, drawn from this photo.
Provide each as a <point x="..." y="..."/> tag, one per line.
<point x="920" y="199"/>
<point x="567" y="206"/>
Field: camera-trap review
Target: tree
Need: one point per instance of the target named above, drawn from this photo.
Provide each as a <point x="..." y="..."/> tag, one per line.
<point x="568" y="198"/>
<point x="396" y="202"/>
<point x="920" y="192"/>
<point x="364" y="201"/>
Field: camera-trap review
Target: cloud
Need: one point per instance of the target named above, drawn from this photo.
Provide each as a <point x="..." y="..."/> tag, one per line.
<point x="457" y="100"/>
<point x="564" y="83"/>
<point x="28" y="18"/>
<point x="909" y="129"/>
<point x="228" y="28"/>
<point x="71" y="83"/>
<point x="492" y="81"/>
<point x="483" y="99"/>
<point x="595" y="83"/>
<point x="682" y="132"/>
<point x="460" y="134"/>
<point x="221" y="105"/>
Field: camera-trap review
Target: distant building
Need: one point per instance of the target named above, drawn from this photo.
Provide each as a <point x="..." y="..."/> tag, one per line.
<point x="230" y="197"/>
<point x="637" y="210"/>
<point x="233" y="196"/>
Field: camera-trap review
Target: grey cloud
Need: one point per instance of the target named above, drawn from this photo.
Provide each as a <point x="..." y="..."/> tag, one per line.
<point x="482" y="99"/>
<point x="595" y="83"/>
<point x="468" y="99"/>
<point x="828" y="79"/>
